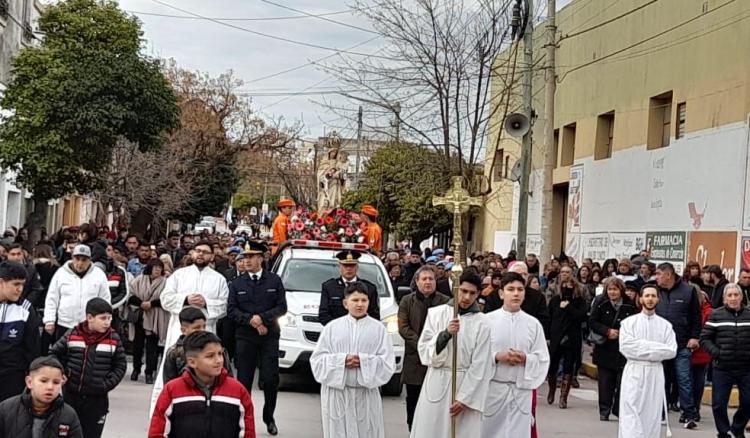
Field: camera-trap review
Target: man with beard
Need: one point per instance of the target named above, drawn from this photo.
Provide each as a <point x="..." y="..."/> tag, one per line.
<point x="173" y="248"/>
<point x="413" y="263"/>
<point x="646" y="339"/>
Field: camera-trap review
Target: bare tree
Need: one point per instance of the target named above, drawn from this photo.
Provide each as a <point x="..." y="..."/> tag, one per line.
<point x="440" y="65"/>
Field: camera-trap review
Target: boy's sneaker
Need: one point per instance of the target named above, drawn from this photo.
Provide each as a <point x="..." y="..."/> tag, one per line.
<point x="691" y="424"/>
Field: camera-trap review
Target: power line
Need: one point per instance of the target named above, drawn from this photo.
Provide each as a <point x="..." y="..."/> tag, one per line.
<point x="604" y="23"/>
<point x="289" y="17"/>
<point x="275" y="37"/>
<point x="657" y="35"/>
<point x="351" y="26"/>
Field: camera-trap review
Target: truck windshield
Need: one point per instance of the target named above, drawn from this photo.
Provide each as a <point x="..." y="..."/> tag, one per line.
<point x="307" y="275"/>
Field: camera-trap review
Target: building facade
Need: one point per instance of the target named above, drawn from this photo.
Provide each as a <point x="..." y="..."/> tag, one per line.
<point x="651" y="135"/>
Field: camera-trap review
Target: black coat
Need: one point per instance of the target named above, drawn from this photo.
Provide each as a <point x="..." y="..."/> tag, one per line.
<point x="33" y="289"/>
<point x="91" y="369"/>
<point x="332" y="300"/>
<point x="265" y="297"/>
<point x="725" y="337"/>
<point x="17" y="419"/>
<point x="534" y="304"/>
<point x="566" y="323"/>
<point x="605" y="317"/>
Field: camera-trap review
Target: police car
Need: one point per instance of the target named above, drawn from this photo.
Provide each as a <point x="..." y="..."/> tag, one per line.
<point x="303" y="266"/>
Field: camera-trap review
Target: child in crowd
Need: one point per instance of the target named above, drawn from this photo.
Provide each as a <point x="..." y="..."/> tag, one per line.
<point x="94" y="362"/>
<point x="204" y="401"/>
<point x="40" y="411"/>
<point x="192" y="319"/>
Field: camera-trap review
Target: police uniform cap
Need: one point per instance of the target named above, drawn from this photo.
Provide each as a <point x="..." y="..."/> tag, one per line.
<point x="349" y="257"/>
<point x="254" y="248"/>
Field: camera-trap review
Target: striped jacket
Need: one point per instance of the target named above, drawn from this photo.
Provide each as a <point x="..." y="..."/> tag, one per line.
<point x="93" y="368"/>
<point x="19" y="336"/>
<point x="726" y="337"/>
<point x="185" y="411"/>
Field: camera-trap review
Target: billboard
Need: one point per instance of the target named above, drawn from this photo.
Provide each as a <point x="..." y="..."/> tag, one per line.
<point x="714" y="248"/>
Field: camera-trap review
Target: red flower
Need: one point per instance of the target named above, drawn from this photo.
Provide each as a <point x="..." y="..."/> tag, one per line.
<point x="320" y="222"/>
<point x="307" y="236"/>
<point x="344" y="222"/>
<point x="299" y="225"/>
<point x="340" y="212"/>
<point x="329" y="220"/>
<point x="349" y="232"/>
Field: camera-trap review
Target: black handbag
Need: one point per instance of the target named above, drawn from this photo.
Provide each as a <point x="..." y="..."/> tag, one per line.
<point x="134" y="315"/>
<point x="596" y="338"/>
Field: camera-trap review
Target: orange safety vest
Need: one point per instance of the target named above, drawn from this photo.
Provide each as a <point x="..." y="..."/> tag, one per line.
<point x="279" y="230"/>
<point x="375" y="237"/>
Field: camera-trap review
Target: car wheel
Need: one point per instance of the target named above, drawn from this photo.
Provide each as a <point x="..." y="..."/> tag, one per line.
<point x="393" y="387"/>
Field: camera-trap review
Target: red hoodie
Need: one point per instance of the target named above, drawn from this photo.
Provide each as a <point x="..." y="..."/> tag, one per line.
<point x="701" y="356"/>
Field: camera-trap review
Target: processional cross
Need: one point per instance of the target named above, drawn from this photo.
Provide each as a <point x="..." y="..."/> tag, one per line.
<point x="458" y="201"/>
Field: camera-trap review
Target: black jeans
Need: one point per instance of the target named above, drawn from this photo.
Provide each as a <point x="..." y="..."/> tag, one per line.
<point x="12" y="383"/>
<point x="412" y="397"/>
<point x="151" y="344"/>
<point x="698" y="376"/>
<point x="671" y="388"/>
<point x="722" y="388"/>
<point x="568" y="357"/>
<point x="608" y="382"/>
<point x="92" y="412"/>
<point x="262" y="352"/>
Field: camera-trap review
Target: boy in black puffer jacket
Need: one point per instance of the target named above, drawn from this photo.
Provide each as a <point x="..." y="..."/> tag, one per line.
<point x="95" y="363"/>
<point x="40" y="411"/>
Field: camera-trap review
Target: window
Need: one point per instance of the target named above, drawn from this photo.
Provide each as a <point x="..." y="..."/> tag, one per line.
<point x="568" y="145"/>
<point x="605" y="129"/>
<point x="497" y="173"/>
<point x="681" y="115"/>
<point x="557" y="147"/>
<point x="659" y="121"/>
<point x="306" y="275"/>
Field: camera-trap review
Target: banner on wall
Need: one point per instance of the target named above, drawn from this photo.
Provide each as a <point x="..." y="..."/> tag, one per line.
<point x="575" y="199"/>
<point x="595" y="246"/>
<point x="533" y="244"/>
<point x="573" y="246"/>
<point x="714" y="248"/>
<point x="624" y="245"/>
<point x="667" y="246"/>
<point x="745" y="261"/>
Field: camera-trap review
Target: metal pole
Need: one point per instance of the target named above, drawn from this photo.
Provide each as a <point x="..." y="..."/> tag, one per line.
<point x="359" y="147"/>
<point x="550" y="151"/>
<point x="523" y="202"/>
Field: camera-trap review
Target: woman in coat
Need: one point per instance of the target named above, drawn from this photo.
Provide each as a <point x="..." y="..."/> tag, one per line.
<point x="567" y="310"/>
<point x="608" y="311"/>
<point x="149" y="322"/>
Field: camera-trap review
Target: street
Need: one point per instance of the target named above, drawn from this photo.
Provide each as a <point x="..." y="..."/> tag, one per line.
<point x="298" y="413"/>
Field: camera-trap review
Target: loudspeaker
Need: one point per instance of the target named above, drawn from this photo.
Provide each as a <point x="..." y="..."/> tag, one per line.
<point x="517" y="125"/>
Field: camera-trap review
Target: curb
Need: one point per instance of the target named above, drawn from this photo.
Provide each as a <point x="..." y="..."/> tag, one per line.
<point x="589" y="370"/>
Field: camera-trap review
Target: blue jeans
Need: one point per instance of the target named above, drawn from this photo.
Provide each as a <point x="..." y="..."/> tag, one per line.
<point x="685" y="383"/>
<point x="722" y="388"/>
<point x="698" y="373"/>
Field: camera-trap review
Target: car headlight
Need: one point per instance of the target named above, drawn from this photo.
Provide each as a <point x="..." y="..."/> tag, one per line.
<point x="288" y="319"/>
<point x="391" y="323"/>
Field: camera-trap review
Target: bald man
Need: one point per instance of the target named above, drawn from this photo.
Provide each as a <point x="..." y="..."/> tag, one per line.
<point x="534" y="302"/>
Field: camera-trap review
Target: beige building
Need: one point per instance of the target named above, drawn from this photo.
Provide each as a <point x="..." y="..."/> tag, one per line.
<point x="651" y="127"/>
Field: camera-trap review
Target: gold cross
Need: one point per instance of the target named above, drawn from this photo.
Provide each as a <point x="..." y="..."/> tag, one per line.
<point x="458" y="201"/>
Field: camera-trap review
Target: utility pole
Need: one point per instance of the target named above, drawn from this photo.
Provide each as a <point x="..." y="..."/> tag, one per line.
<point x="550" y="151"/>
<point x="359" y="147"/>
<point x="523" y="201"/>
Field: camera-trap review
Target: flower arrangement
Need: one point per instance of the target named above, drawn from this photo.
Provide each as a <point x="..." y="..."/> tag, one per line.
<point x="331" y="225"/>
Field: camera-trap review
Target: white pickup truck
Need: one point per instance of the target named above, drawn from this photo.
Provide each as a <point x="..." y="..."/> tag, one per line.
<point x="303" y="267"/>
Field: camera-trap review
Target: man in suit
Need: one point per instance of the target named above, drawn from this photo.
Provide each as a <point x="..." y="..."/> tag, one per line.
<point x="332" y="293"/>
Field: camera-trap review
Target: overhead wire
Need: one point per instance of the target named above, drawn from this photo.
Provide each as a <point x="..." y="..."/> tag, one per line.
<point x="638" y="43"/>
<point x="275" y="37"/>
<point x="281" y="18"/>
<point x="351" y="26"/>
<point x="606" y="22"/>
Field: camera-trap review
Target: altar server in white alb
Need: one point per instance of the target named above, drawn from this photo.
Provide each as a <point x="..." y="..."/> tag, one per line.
<point x="196" y="285"/>
<point x="353" y="358"/>
<point x="432" y="418"/>
<point x="521" y="363"/>
<point x="646" y="340"/>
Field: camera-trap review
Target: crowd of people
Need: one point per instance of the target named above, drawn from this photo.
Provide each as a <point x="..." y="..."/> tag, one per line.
<point x="196" y="311"/>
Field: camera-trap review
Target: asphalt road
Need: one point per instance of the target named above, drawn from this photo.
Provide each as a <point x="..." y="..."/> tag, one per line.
<point x="298" y="413"/>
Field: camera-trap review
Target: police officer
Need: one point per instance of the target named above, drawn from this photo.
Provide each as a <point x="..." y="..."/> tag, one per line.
<point x="332" y="295"/>
<point x="256" y="301"/>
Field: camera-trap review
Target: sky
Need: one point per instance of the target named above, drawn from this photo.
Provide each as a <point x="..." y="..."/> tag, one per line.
<point x="217" y="36"/>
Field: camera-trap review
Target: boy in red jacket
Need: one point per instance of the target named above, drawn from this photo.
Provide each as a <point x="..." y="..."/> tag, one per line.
<point x="204" y="401"/>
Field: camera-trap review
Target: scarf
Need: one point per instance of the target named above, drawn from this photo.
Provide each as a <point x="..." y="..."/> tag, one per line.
<point x="156" y="320"/>
<point x="91" y="337"/>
